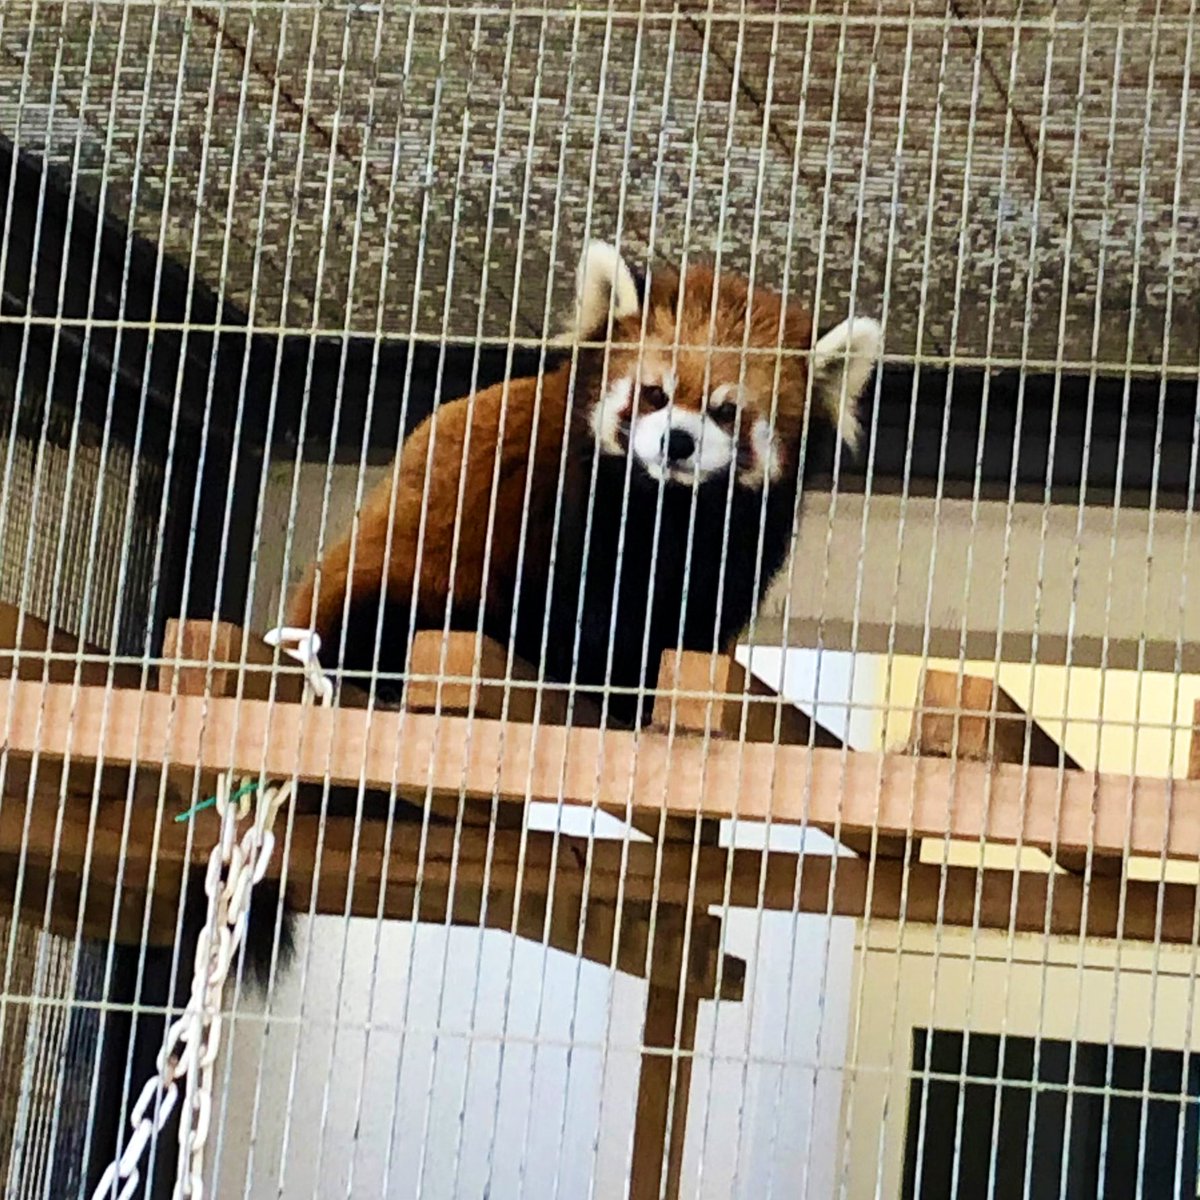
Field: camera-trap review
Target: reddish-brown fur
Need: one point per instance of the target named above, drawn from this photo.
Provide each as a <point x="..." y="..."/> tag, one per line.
<point x="452" y="552"/>
<point x="452" y="542"/>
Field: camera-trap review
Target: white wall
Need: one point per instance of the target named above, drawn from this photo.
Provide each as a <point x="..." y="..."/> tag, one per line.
<point x="455" y="1065"/>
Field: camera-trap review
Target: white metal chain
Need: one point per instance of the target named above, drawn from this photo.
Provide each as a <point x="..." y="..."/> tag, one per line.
<point x="189" y="1052"/>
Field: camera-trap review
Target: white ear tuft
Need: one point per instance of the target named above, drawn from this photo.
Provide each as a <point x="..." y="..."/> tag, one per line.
<point x="842" y="362"/>
<point x="603" y="278"/>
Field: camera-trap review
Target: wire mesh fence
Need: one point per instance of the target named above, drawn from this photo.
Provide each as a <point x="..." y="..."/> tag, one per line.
<point x="713" y="802"/>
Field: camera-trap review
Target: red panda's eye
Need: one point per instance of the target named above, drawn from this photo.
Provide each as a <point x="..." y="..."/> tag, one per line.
<point x="654" y="398"/>
<point x="724" y="414"/>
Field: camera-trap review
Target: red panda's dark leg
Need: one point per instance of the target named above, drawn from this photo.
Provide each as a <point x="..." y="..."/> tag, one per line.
<point x="342" y="594"/>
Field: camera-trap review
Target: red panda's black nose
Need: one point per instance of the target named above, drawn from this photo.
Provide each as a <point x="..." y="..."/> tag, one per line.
<point x="679" y="445"/>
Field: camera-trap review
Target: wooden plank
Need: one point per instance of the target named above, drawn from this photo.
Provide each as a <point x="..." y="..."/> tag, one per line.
<point x="31" y="637"/>
<point x="664" y="1087"/>
<point x="970" y="717"/>
<point x="894" y="793"/>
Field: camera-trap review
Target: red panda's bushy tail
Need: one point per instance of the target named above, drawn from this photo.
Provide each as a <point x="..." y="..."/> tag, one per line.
<point x="269" y="944"/>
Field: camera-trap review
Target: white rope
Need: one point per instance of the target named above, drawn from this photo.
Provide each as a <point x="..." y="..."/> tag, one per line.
<point x="303" y="645"/>
<point x="189" y="1052"/>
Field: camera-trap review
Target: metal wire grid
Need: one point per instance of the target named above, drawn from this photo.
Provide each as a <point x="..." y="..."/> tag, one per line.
<point x="173" y="138"/>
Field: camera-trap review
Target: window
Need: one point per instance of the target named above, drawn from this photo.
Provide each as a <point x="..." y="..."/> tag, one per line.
<point x="1020" y="1093"/>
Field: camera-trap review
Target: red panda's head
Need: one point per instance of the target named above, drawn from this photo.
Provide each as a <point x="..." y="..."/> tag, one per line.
<point x="719" y="382"/>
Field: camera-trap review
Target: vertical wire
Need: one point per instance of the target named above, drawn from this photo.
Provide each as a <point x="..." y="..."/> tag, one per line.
<point x="753" y="952"/>
<point x="1088" y="874"/>
<point x="235" y="453"/>
<point x="1130" y="334"/>
<point x="552" y="571"/>
<point x="125" y="541"/>
<point x="605" y="688"/>
<point x="1064" y="293"/>
<point x="17" y="1157"/>
<point x="389" y="534"/>
<point x="194" y="253"/>
<point x="463" y="471"/>
<point x="640" y="690"/>
<point x="1151" y="515"/>
<point x="160" y="532"/>
<point x="135" y="191"/>
<point x="36" y="486"/>
<point x="285" y="301"/>
<point x="706" y="734"/>
<point x="1011" y="966"/>
<point x="462" y="801"/>
<point x="593" y="813"/>
<point x="344" y="57"/>
<point x="253" y="306"/>
<point x="838" y="463"/>
<point x="1189" y="513"/>
<point x="380" y="308"/>
<point x="92" y="556"/>
<point x="1034" y="229"/>
<point x="518" y="891"/>
<point x="1097" y="313"/>
<point x="854" y="1034"/>
<point x="102" y="472"/>
<point x="788" y="591"/>
<point x="935" y="165"/>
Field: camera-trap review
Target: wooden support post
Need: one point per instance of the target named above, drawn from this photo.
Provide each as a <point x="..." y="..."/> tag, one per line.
<point x="973" y="718"/>
<point x="460" y="673"/>
<point x="664" y="1087"/>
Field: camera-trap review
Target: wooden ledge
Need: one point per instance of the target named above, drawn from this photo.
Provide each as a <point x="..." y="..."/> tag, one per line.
<point x="620" y="772"/>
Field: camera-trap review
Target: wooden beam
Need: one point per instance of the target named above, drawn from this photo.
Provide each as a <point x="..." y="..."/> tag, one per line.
<point x="219" y="658"/>
<point x="31" y="638"/>
<point x="972" y="718"/>
<point x="896" y="793"/>
<point x="79" y="846"/>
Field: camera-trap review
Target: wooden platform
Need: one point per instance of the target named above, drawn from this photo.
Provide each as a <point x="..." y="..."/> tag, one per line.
<point x="99" y="760"/>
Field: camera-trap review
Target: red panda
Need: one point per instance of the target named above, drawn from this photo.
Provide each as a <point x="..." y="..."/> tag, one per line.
<point x="670" y="454"/>
<point x="637" y="496"/>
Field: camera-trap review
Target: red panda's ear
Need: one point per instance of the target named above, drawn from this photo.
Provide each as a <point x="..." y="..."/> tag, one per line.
<point x="604" y="285"/>
<point x="842" y="362"/>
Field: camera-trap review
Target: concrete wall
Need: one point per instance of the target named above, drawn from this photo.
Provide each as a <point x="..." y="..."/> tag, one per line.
<point x="993" y="187"/>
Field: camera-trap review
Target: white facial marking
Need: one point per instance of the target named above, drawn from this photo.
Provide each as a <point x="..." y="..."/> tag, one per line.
<point x="606" y="416"/>
<point x="712" y="447"/>
<point x="708" y="447"/>
<point x="766" y="453"/>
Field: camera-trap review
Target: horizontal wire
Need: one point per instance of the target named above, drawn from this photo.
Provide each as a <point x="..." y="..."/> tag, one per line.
<point x="1082" y="366"/>
<point x="642" y="14"/>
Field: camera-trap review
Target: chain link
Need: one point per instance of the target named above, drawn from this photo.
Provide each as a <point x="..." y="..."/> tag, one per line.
<point x="190" y="1049"/>
<point x="189" y="1052"/>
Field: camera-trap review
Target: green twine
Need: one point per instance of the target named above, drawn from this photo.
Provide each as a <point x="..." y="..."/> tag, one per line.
<point x="244" y="790"/>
